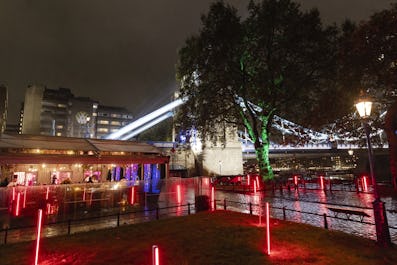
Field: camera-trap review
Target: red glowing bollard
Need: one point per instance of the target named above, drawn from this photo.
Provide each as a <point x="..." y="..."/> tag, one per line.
<point x="39" y="219"/>
<point x="24" y="199"/>
<point x="267" y="229"/>
<point x="155" y="255"/>
<point x="132" y="195"/>
<point x="13" y="193"/>
<point x="296" y="180"/>
<point x="249" y="179"/>
<point x="213" y="198"/>
<point x="178" y="193"/>
<point x="17" y="204"/>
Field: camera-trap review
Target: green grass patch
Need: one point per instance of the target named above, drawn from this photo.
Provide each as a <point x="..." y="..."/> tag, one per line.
<point x="221" y="238"/>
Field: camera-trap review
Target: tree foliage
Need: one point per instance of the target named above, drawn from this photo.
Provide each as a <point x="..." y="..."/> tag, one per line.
<point x="278" y="61"/>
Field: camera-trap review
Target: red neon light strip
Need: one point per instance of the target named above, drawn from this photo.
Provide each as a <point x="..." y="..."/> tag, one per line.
<point x="296" y="180"/>
<point x="249" y="180"/>
<point x="17" y="206"/>
<point x="132" y="195"/>
<point x="267" y="228"/>
<point x="155" y="255"/>
<point x="47" y="192"/>
<point x="257" y="182"/>
<point x="322" y="182"/>
<point x="254" y="186"/>
<point x="213" y="198"/>
<point x="24" y="198"/>
<point x="13" y="193"/>
<point x="39" y="218"/>
<point x="178" y="193"/>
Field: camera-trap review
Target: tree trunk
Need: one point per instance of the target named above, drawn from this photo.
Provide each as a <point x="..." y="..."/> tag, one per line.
<point x="262" y="155"/>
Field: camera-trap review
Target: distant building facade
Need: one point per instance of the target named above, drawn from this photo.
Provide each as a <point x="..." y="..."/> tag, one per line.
<point x="3" y="107"/>
<point x="57" y="112"/>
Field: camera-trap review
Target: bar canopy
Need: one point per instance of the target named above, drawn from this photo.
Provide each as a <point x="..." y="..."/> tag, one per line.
<point x="38" y="149"/>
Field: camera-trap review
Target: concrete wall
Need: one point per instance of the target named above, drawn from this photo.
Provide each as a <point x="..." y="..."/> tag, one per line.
<point x="32" y="110"/>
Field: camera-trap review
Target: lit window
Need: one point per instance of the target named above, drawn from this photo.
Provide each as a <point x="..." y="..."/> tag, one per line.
<point x="95" y="106"/>
<point x="61" y="106"/>
<point x="59" y="134"/>
<point x="115" y="123"/>
<point x="104" y="130"/>
<point x="114" y="130"/>
<point x="115" y="115"/>
<point x="59" y="126"/>
<point x="103" y="122"/>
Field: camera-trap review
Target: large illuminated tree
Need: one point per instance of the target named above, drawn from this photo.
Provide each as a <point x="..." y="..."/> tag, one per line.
<point x="277" y="61"/>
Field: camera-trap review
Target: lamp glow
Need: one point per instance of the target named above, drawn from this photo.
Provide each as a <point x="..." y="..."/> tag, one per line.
<point x="364" y="108"/>
<point x="178" y="193"/>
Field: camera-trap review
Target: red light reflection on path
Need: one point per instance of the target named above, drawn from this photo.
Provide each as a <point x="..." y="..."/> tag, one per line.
<point x="365" y="186"/>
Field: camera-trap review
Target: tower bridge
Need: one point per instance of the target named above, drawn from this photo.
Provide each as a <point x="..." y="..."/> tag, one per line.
<point x="325" y="143"/>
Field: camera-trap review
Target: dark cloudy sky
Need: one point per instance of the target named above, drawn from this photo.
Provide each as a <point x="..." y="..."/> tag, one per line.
<point x="120" y="52"/>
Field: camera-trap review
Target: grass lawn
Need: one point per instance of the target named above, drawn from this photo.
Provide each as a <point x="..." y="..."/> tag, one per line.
<point x="221" y="238"/>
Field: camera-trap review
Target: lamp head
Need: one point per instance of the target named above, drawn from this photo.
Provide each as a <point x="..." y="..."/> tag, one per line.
<point x="364" y="106"/>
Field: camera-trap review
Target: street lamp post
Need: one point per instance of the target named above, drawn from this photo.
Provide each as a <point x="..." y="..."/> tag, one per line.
<point x="381" y="225"/>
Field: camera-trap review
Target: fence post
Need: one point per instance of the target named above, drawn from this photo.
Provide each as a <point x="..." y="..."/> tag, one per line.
<point x="250" y="208"/>
<point x="188" y="208"/>
<point x="224" y="204"/>
<point x="325" y="221"/>
<point x="157" y="213"/>
<point x="5" y="236"/>
<point x="118" y="219"/>
<point x="69" y="224"/>
<point x="284" y="215"/>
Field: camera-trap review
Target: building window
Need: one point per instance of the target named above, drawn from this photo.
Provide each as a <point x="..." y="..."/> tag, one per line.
<point x="61" y="106"/>
<point x="103" y="122"/>
<point x="59" y="134"/>
<point x="103" y="130"/>
<point x="59" y="126"/>
<point x="115" y="115"/>
<point x="115" y="123"/>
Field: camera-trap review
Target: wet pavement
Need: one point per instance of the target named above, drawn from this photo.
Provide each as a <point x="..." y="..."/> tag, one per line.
<point x="77" y="208"/>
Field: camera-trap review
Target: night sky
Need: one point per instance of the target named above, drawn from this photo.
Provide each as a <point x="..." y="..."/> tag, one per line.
<point x="119" y="52"/>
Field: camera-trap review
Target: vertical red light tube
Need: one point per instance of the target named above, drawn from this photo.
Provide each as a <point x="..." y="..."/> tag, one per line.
<point x="257" y="182"/>
<point x="13" y="193"/>
<point x="178" y="193"/>
<point x="24" y="199"/>
<point x="17" y="205"/>
<point x="213" y="198"/>
<point x="321" y="182"/>
<point x="254" y="186"/>
<point x="132" y="195"/>
<point x="365" y="183"/>
<point x="249" y="180"/>
<point x="47" y="193"/>
<point x="155" y="255"/>
<point x="296" y="180"/>
<point x="267" y="229"/>
<point x="39" y="219"/>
